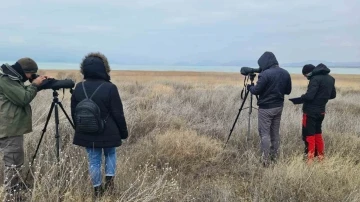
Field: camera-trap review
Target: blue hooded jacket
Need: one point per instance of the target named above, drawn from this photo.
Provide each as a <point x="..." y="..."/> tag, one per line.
<point x="273" y="82"/>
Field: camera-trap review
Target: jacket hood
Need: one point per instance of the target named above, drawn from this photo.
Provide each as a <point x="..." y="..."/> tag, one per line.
<point x="320" y="69"/>
<point x="14" y="72"/>
<point x="95" y="66"/>
<point x="267" y="60"/>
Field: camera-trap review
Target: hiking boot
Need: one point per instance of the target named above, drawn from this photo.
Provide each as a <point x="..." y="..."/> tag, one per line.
<point x="273" y="159"/>
<point x="14" y="197"/>
<point x="109" y="183"/>
<point x="98" y="191"/>
<point x="265" y="162"/>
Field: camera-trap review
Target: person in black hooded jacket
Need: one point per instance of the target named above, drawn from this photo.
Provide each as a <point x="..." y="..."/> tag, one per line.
<point x="320" y="90"/>
<point x="95" y="68"/>
<point x="273" y="83"/>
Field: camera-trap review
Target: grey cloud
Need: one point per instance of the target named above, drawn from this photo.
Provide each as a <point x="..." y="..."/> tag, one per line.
<point x="188" y="29"/>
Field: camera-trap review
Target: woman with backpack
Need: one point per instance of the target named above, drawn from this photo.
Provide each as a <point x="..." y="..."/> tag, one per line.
<point x="100" y="125"/>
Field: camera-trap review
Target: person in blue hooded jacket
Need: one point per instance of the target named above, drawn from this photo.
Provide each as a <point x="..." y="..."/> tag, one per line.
<point x="272" y="85"/>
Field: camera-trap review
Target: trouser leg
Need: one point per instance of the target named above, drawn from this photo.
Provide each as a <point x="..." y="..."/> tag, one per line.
<point x="275" y="133"/>
<point x="319" y="145"/>
<point x="264" y="123"/>
<point x="13" y="151"/>
<point x="310" y="141"/>
<point x="308" y="133"/>
<point x="110" y="167"/>
<point x="110" y="161"/>
<point x="319" y="142"/>
<point x="94" y="156"/>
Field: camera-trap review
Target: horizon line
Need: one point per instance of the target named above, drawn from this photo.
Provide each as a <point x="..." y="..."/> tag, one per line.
<point x="287" y="64"/>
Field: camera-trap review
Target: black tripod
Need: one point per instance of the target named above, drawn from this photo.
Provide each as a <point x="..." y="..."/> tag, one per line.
<point x="252" y="77"/>
<point x="55" y="103"/>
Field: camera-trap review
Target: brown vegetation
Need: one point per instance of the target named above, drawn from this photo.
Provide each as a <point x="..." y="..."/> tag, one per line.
<point x="178" y="123"/>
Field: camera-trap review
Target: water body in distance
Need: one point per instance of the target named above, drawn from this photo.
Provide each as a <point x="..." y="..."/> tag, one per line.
<point x="292" y="70"/>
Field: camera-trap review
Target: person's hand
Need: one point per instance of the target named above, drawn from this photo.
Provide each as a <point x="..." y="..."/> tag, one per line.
<point x="249" y="86"/>
<point x="48" y="77"/>
<point x="38" y="81"/>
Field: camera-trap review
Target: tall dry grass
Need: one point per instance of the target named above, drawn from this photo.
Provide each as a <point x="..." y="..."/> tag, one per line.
<point x="178" y="125"/>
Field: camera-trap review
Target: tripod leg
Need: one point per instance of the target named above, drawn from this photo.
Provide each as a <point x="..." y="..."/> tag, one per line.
<point x="232" y="129"/>
<point x="57" y="136"/>
<point x="41" y="137"/>
<point x="67" y="116"/>
<point x="249" y="118"/>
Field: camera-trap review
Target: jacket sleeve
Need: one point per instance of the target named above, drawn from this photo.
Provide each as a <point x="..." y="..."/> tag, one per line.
<point x="116" y="110"/>
<point x="74" y="102"/>
<point x="18" y="94"/>
<point x="260" y="85"/>
<point x="289" y="86"/>
<point x="333" y="93"/>
<point x="311" y="91"/>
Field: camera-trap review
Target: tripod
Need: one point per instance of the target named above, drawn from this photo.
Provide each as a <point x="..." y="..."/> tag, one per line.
<point x="54" y="105"/>
<point x="252" y="77"/>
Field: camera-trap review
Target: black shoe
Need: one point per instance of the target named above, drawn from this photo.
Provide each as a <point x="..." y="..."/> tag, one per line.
<point x="109" y="183"/>
<point x="273" y="159"/>
<point x="98" y="191"/>
<point x="17" y="196"/>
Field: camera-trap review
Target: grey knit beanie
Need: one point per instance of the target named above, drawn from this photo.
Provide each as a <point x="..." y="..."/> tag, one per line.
<point x="28" y="65"/>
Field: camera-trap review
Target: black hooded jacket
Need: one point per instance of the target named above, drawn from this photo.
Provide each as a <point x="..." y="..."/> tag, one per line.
<point x="321" y="88"/>
<point x="273" y="82"/>
<point x="95" y="72"/>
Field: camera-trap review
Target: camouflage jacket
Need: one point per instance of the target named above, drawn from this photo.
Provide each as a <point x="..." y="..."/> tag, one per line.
<point x="15" y="109"/>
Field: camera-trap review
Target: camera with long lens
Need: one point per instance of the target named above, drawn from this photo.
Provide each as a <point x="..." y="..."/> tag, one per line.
<point x="248" y="71"/>
<point x="53" y="84"/>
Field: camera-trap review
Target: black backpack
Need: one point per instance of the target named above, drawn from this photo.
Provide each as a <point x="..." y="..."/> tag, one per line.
<point x="88" y="116"/>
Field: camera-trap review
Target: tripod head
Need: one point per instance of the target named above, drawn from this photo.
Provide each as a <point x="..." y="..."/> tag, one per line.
<point x="248" y="77"/>
<point x="55" y="94"/>
<point x="252" y="77"/>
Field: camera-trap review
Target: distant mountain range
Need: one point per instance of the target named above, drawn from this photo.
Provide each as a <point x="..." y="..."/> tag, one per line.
<point x="62" y="56"/>
<point x="327" y="63"/>
<point x="251" y="63"/>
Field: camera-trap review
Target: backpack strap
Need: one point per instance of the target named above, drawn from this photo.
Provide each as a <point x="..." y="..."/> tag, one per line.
<point x="84" y="90"/>
<point x="105" y="120"/>
<point x="94" y="91"/>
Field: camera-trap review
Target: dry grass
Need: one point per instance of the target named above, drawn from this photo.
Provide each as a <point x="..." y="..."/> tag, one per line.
<point x="208" y="78"/>
<point x="178" y="123"/>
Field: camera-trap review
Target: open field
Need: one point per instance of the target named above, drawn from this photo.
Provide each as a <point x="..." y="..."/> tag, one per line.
<point x="214" y="78"/>
<point x="178" y="123"/>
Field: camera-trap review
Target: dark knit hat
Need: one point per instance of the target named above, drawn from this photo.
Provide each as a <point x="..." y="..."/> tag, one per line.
<point x="28" y="65"/>
<point x="307" y="69"/>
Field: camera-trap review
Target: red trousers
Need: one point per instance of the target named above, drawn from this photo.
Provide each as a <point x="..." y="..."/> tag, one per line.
<point x="312" y="136"/>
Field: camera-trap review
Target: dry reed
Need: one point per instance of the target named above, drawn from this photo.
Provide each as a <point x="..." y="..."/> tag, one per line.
<point x="178" y="124"/>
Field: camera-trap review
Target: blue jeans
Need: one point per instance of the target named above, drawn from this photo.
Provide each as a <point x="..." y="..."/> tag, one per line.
<point x="95" y="157"/>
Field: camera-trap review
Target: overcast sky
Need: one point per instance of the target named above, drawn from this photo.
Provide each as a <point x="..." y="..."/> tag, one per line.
<point x="181" y="30"/>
